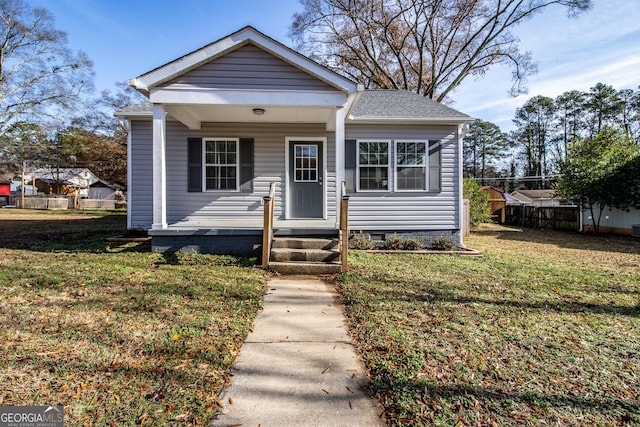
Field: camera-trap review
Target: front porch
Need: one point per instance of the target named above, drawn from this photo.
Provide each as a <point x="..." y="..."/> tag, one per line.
<point x="242" y="237"/>
<point x="301" y="246"/>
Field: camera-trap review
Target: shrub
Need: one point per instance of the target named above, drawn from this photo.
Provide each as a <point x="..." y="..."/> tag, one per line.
<point x="442" y="243"/>
<point x="361" y="241"/>
<point x="401" y="243"/>
<point x="478" y="203"/>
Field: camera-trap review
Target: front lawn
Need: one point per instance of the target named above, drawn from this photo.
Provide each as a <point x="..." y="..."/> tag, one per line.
<point x="544" y="330"/>
<point x="116" y="334"/>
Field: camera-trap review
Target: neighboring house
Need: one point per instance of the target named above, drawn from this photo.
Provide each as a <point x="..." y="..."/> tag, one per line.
<point x="16" y="189"/>
<point x="102" y="190"/>
<point x="227" y="120"/>
<point x="5" y="193"/>
<point x="80" y="182"/>
<point x="541" y="209"/>
<point x="512" y="201"/>
<point x="497" y="202"/>
<point x="617" y="221"/>
<point x="538" y="198"/>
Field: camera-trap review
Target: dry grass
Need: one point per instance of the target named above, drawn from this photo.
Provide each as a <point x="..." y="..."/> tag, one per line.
<point x="118" y="335"/>
<point x="541" y="331"/>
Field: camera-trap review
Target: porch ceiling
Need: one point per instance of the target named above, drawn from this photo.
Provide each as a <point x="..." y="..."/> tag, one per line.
<point x="193" y="115"/>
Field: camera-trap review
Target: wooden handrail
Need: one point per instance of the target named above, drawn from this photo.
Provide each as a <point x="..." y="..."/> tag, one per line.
<point x="344" y="227"/>
<point x="267" y="224"/>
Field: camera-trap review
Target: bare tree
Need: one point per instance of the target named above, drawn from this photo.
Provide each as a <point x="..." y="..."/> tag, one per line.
<point x="428" y="47"/>
<point x="38" y="73"/>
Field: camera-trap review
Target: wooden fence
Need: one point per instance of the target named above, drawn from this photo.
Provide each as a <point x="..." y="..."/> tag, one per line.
<point x="557" y="217"/>
<point x="44" y="203"/>
<point x="96" y="204"/>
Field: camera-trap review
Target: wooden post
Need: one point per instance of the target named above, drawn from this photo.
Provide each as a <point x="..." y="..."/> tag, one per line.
<point x="344" y="229"/>
<point x="267" y="225"/>
<point x="22" y="187"/>
<point x="266" y="232"/>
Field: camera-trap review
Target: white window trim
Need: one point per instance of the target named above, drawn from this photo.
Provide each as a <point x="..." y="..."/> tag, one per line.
<point x="389" y="170"/>
<point x="205" y="164"/>
<point x="426" y="165"/>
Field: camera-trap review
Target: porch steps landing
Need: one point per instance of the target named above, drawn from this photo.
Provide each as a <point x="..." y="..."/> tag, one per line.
<point x="305" y="255"/>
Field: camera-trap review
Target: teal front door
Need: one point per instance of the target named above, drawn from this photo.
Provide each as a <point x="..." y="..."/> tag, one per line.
<point x="306" y="179"/>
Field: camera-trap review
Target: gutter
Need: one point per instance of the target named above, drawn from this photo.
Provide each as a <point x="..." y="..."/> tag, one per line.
<point x="411" y="120"/>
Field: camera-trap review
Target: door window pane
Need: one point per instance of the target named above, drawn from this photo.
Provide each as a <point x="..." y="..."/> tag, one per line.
<point x="306" y="163"/>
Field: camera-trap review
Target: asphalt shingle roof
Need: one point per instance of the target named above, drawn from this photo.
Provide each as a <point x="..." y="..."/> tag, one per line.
<point x="400" y="104"/>
<point x="143" y="108"/>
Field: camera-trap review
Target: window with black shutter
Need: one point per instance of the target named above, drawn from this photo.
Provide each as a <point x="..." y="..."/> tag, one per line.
<point x="220" y="164"/>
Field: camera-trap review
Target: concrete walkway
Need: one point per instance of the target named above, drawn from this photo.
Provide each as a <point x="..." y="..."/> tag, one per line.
<point x="298" y="366"/>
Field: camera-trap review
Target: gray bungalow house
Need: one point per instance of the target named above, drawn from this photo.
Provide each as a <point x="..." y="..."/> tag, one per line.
<point x="246" y="129"/>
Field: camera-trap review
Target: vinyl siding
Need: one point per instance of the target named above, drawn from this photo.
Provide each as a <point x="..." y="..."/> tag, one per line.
<point x="408" y="211"/>
<point x="387" y="211"/>
<point x="269" y="166"/>
<point x="248" y="67"/>
<point x="140" y="210"/>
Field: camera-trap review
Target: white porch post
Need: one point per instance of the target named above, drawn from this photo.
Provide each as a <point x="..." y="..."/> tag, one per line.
<point x="340" y="116"/>
<point x="127" y="125"/>
<point x="159" y="168"/>
<point x="461" y="226"/>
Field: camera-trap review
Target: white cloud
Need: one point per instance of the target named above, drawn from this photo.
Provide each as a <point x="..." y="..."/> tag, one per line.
<point x="600" y="46"/>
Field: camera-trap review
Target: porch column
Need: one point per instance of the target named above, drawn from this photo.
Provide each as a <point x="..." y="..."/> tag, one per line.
<point x="159" y="168"/>
<point x="460" y="217"/>
<point x="340" y="116"/>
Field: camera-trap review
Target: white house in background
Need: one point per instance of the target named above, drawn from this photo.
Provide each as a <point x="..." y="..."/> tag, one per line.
<point x="617" y="221"/>
<point x="79" y="181"/>
<point x="226" y="121"/>
<point x="537" y="198"/>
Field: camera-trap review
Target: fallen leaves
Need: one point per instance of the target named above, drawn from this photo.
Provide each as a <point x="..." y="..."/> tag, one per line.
<point x="102" y="336"/>
<point x="532" y="334"/>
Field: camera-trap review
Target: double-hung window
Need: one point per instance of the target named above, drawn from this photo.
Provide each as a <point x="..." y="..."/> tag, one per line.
<point x="373" y="165"/>
<point x="411" y="166"/>
<point x="221" y="164"/>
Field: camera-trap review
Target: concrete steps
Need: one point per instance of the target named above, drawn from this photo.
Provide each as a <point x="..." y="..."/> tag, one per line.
<point x="305" y="255"/>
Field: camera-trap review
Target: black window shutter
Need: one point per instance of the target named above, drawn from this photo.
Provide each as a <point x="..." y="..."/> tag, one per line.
<point x="194" y="160"/>
<point x="246" y="165"/>
<point x="435" y="165"/>
<point x="350" y="164"/>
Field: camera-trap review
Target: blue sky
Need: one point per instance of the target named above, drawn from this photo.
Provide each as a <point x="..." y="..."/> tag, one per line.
<point x="126" y="38"/>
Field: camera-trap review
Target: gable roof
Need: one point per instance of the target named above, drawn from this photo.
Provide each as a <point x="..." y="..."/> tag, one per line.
<point x="535" y="194"/>
<point x="141" y="110"/>
<point x="247" y="35"/>
<point x="491" y="187"/>
<point x="67" y="176"/>
<point x="386" y="105"/>
<point x="512" y="200"/>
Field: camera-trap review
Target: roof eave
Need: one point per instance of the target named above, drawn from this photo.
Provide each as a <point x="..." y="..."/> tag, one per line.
<point x="137" y="84"/>
<point x="411" y="120"/>
<point x="137" y="115"/>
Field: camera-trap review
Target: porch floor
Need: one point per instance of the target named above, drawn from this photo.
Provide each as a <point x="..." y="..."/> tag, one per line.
<point x="244" y="226"/>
